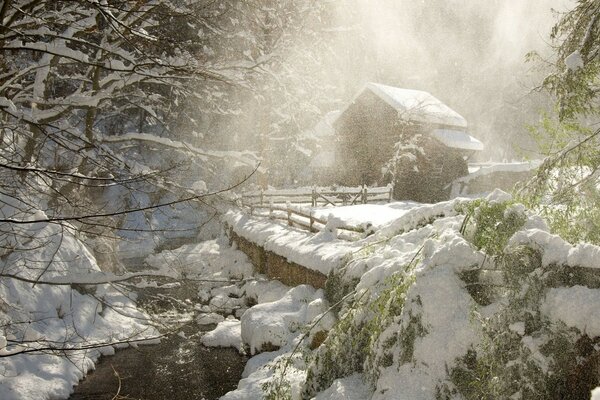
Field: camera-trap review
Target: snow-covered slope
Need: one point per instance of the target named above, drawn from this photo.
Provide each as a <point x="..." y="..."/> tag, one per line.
<point x="427" y="306"/>
<point x="44" y="325"/>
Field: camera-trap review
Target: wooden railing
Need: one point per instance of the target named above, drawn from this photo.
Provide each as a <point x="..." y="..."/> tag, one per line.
<point x="306" y="219"/>
<point x="319" y="196"/>
<point x="283" y="205"/>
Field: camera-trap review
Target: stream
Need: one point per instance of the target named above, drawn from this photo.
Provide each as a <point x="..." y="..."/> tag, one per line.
<point x="178" y="368"/>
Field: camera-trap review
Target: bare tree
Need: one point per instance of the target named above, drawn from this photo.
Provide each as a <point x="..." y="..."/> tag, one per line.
<point x="89" y="95"/>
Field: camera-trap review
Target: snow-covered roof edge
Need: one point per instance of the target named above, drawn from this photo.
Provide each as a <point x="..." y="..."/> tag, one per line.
<point x="457" y="139"/>
<point x="420" y="98"/>
<point x="417" y="105"/>
<point x="421" y="106"/>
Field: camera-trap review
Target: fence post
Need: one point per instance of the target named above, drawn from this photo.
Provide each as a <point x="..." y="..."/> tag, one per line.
<point x="364" y="194"/>
<point x="289" y="214"/>
<point x="312" y="221"/>
<point x="271" y="209"/>
<point x="314" y="197"/>
<point x="344" y="197"/>
<point x="251" y="209"/>
<point x="391" y="187"/>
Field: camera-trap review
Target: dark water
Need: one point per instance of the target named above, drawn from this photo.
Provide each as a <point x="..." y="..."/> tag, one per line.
<point x="175" y="369"/>
<point x="178" y="368"/>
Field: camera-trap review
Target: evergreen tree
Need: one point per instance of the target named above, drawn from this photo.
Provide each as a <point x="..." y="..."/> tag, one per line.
<point x="566" y="186"/>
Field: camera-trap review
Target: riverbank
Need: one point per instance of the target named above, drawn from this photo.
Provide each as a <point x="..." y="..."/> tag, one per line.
<point x="178" y="368"/>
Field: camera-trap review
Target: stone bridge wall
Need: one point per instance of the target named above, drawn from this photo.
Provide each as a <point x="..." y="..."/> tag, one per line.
<point x="277" y="267"/>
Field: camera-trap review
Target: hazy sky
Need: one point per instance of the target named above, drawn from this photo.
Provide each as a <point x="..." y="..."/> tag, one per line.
<point x="468" y="53"/>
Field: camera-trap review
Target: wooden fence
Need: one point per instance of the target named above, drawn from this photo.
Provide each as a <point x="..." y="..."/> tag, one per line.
<point x="282" y="205"/>
<point x="306" y="219"/>
<point x="319" y="196"/>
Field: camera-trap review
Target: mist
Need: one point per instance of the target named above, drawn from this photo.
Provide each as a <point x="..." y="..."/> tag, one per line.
<point x="471" y="55"/>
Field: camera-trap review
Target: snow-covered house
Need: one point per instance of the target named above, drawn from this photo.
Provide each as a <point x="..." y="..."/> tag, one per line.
<point x="407" y="137"/>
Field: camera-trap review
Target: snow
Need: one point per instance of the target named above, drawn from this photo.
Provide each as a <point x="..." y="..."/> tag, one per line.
<point x="58" y="314"/>
<point x="513" y="166"/>
<point x="211" y="259"/>
<point x="480" y="169"/>
<point x="576" y="306"/>
<point x="209" y="318"/>
<point x="246" y="158"/>
<point x="457" y="139"/>
<point x="584" y="255"/>
<point x="321" y="253"/>
<point x="265" y="291"/>
<point x="405" y="233"/>
<point x="416" y="105"/>
<point x="518" y="328"/>
<point x="439" y="297"/>
<point x="595" y="394"/>
<point x="557" y="250"/>
<point x="445" y="304"/>
<point x="362" y="214"/>
<point x="574" y="61"/>
<point x="420" y="214"/>
<point x="282" y="315"/>
<point x="260" y="374"/>
<point x="276" y="323"/>
<point x="226" y="334"/>
<point x="349" y="388"/>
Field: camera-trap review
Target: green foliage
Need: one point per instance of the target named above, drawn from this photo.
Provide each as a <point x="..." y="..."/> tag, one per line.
<point x="387" y="308"/>
<point x="565" y="188"/>
<point x="506" y="367"/>
<point x="340" y="355"/>
<point x="337" y="287"/>
<point x="277" y="392"/>
<point x="489" y="225"/>
<point x="352" y="343"/>
<point x="522" y="354"/>
<point x="577" y="38"/>
<point x="279" y="387"/>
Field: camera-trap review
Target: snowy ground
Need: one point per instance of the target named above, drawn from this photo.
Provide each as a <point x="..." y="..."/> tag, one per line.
<point x="427" y="239"/>
<point x="43" y="325"/>
<point x="362" y="214"/>
<point x="52" y="333"/>
<point x="283" y="328"/>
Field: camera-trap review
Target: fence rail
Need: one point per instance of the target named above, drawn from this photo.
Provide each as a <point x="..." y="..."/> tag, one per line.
<point x="280" y="205"/>
<point x="306" y="219"/>
<point x="316" y="196"/>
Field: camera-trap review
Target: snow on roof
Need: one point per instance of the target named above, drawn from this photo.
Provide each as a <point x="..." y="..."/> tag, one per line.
<point x="416" y="105"/>
<point x="477" y="169"/>
<point x="457" y="139"/>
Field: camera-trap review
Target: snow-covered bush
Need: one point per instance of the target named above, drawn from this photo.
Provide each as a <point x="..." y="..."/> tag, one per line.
<point x="351" y="343"/>
<point x="489" y="224"/>
<point x="470" y="299"/>
<point x="525" y="353"/>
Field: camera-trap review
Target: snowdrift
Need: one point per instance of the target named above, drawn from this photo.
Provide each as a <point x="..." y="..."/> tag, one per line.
<point x="51" y="334"/>
<point x="461" y="299"/>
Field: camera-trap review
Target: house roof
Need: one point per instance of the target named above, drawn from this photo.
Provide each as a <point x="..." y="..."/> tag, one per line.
<point x="457" y="139"/>
<point x="416" y="105"/>
<point x="420" y="106"/>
